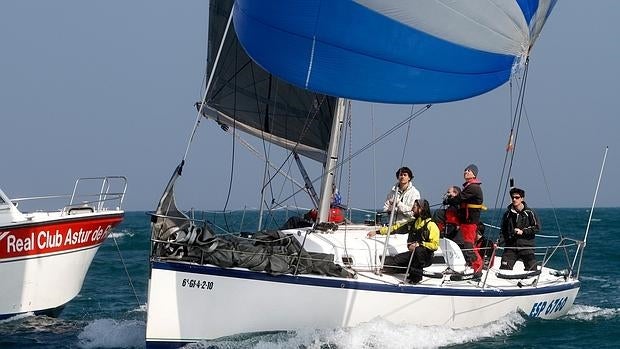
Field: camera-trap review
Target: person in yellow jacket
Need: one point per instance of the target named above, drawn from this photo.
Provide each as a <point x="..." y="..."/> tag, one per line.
<point x="422" y="242"/>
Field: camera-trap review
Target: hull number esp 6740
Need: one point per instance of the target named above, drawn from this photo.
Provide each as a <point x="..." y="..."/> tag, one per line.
<point x="202" y="284"/>
<point x="548" y="308"/>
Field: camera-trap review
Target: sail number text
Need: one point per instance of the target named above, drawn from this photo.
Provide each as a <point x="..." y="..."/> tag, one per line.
<point x="202" y="284"/>
<point x="548" y="307"/>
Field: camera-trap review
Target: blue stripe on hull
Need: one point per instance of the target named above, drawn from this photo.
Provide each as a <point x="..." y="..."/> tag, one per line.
<point x="165" y="345"/>
<point x="357" y="285"/>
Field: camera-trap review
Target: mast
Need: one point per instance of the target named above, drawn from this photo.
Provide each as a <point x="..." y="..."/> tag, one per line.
<point x="331" y="161"/>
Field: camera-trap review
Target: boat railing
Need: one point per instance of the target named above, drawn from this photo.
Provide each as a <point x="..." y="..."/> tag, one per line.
<point x="98" y="193"/>
<point x="562" y="257"/>
<point x="90" y="194"/>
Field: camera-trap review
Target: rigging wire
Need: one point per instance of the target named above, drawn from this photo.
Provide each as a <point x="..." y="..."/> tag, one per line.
<point x="402" y="158"/>
<point x="370" y="144"/>
<point x="312" y="115"/>
<point x="348" y="126"/>
<point x="120" y="255"/>
<point x="542" y="170"/>
<point x="232" y="158"/>
<point x="374" y="153"/>
<point x="375" y="260"/>
<point x="509" y="148"/>
<point x="204" y="97"/>
<point x="519" y="112"/>
<point x="509" y="159"/>
<point x="265" y="125"/>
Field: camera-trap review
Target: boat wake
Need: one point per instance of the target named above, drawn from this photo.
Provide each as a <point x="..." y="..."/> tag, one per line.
<point x="29" y="323"/>
<point x="589" y="313"/>
<point x="377" y="334"/>
<point x="17" y="317"/>
<point x="110" y="333"/>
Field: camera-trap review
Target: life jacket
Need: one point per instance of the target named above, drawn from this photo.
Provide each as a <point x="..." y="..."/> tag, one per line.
<point x="336" y="215"/>
<point x="452" y="216"/>
<point x="420" y="235"/>
<point x="465" y="206"/>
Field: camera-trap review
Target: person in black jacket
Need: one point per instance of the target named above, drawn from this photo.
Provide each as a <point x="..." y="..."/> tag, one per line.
<point x="469" y="203"/>
<point x="519" y="227"/>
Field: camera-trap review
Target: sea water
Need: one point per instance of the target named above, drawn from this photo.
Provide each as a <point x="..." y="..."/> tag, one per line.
<point x="110" y="311"/>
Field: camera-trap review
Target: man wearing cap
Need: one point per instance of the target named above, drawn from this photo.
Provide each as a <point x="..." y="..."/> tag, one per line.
<point x="470" y="205"/>
<point x="402" y="195"/>
<point x="519" y="227"/>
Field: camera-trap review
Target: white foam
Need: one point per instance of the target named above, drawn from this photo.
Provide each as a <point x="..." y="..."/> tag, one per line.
<point x="378" y="334"/>
<point x="121" y="234"/>
<point x="141" y="309"/>
<point x="17" y="317"/>
<point x="593" y="278"/>
<point x="110" y="333"/>
<point x="589" y="313"/>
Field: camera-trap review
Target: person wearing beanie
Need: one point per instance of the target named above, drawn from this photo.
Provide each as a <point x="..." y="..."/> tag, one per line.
<point x="470" y="205"/>
<point x="473" y="168"/>
<point x="401" y="196"/>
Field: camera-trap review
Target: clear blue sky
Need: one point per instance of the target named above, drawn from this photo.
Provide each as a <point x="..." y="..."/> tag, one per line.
<point x="107" y="87"/>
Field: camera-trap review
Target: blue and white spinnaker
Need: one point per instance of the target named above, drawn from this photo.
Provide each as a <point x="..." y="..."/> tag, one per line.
<point x="393" y="51"/>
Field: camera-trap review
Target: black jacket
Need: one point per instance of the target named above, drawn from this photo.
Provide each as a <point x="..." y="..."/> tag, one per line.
<point x="526" y="220"/>
<point x="471" y="194"/>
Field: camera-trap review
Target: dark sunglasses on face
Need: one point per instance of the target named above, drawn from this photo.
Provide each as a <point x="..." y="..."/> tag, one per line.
<point x="516" y="197"/>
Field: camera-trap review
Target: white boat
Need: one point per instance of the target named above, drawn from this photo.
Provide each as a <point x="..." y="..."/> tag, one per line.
<point x="45" y="254"/>
<point x="205" y="286"/>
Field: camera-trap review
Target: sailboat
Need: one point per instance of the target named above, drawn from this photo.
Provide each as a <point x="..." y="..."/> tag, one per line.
<point x="45" y="254"/>
<point x="274" y="68"/>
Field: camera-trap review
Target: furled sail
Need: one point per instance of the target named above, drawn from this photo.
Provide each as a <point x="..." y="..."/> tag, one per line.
<point x="244" y="96"/>
<point x="394" y="51"/>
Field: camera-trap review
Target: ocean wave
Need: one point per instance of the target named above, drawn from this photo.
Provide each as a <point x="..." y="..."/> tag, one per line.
<point x="141" y="309"/>
<point x="588" y="313"/>
<point x="377" y="334"/>
<point x="16" y="317"/>
<point x="594" y="278"/>
<point x="30" y="323"/>
<point x="121" y="234"/>
<point x="110" y="333"/>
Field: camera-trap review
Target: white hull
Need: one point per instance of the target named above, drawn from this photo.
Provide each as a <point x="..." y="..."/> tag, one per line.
<point x="241" y="301"/>
<point x="188" y="302"/>
<point x="45" y="255"/>
<point x="44" y="283"/>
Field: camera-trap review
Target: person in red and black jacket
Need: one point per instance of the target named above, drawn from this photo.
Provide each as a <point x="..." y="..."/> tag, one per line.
<point x="447" y="217"/>
<point x="470" y="206"/>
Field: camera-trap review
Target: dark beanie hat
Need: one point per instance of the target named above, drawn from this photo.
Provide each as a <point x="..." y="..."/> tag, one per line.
<point x="473" y="168"/>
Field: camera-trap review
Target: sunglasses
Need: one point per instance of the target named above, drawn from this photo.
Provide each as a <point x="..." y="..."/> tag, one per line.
<point x="516" y="197"/>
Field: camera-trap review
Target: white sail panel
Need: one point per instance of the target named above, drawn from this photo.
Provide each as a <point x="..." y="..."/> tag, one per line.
<point x="496" y="26"/>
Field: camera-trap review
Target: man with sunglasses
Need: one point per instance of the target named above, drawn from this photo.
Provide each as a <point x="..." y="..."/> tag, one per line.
<point x="519" y="227"/>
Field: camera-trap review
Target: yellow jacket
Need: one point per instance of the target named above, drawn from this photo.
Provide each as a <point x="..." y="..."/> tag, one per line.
<point x="411" y="226"/>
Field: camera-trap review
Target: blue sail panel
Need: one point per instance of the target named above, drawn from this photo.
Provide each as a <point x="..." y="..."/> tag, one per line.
<point x="367" y="50"/>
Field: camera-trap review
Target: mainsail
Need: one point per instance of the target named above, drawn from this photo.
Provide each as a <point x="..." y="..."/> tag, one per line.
<point x="391" y="51"/>
<point x="244" y="96"/>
